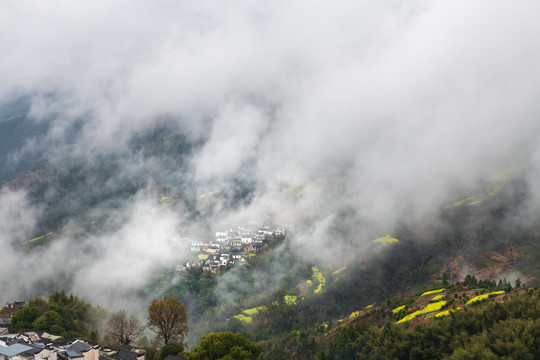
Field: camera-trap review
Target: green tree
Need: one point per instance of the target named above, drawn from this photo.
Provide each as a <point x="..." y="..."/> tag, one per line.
<point x="56" y="330"/>
<point x="225" y="346"/>
<point x="40" y="304"/>
<point x="24" y="318"/>
<point x="170" y="349"/>
<point x="445" y="279"/>
<point x="47" y="320"/>
<point x="207" y="285"/>
<point x="151" y="352"/>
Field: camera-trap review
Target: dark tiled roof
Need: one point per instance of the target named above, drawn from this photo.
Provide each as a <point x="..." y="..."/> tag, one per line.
<point x="17" y="341"/>
<point x="73" y="353"/>
<point x="123" y="354"/>
<point x="126" y="347"/>
<point x="80" y="346"/>
<point x="36" y="349"/>
<point x="57" y="343"/>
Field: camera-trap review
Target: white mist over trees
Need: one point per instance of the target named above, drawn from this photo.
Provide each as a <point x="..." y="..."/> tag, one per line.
<point x="378" y="110"/>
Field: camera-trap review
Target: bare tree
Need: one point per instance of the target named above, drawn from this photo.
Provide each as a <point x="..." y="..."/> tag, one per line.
<point x="168" y="318"/>
<point x="124" y="330"/>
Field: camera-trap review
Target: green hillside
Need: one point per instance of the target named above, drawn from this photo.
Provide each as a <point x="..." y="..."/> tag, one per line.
<point x="397" y="295"/>
<point x="409" y="286"/>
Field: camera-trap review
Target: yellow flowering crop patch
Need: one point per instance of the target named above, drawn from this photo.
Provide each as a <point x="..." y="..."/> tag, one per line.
<point x="432" y="292"/>
<point x="210" y="193"/>
<point x="433" y="307"/>
<point x="495" y="189"/>
<point x="446" y="312"/>
<point x="244" y="318"/>
<point x="408" y="317"/>
<point x="253" y="311"/>
<point x="352" y="316"/>
<point x="386" y="240"/>
<point x="484" y="296"/>
<point x="289" y="299"/>
<point x="469" y="201"/>
<point x="437" y="298"/>
<point x="248" y="313"/>
<point x="339" y="270"/>
<point x="428" y="309"/>
<point x="398" y="309"/>
<point x="320" y="278"/>
<point x="477" y="298"/>
<point x="163" y="199"/>
<point x="41" y="237"/>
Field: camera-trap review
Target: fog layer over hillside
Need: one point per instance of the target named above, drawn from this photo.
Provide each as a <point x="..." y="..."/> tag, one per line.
<point x="378" y="112"/>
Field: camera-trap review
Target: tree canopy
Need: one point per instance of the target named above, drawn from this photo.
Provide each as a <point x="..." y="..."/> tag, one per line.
<point x="225" y="346"/>
<point x="62" y="314"/>
<point x="170" y="349"/>
<point x="168" y="319"/>
<point x="123" y="329"/>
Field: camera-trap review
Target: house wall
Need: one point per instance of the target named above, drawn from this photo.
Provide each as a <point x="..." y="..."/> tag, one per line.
<point x="92" y="354"/>
<point x="46" y="355"/>
<point x="16" y="357"/>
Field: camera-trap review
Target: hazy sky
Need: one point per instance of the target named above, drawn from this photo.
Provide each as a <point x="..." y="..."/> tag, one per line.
<point x="379" y="109"/>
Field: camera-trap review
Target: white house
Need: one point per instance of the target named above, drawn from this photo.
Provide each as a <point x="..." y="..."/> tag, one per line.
<point x="81" y="350"/>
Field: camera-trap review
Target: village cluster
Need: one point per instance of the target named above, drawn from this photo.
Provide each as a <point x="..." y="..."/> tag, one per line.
<point x="40" y="345"/>
<point x="229" y="247"/>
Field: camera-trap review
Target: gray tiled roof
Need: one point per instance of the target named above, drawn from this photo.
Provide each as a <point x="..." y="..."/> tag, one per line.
<point x="35" y="349"/>
<point x="73" y="353"/>
<point x="14" y="349"/>
<point x="80" y="346"/>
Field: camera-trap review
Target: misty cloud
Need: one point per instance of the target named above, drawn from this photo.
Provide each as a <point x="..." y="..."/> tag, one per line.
<point x="341" y="115"/>
<point x="105" y="267"/>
